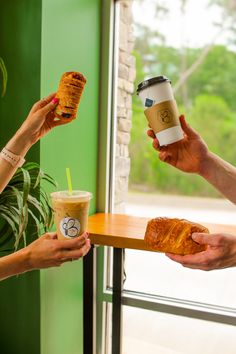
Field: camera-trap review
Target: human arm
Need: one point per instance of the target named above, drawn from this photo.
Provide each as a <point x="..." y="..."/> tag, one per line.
<point x="47" y="251"/>
<point x="220" y="252"/>
<point x="39" y="122"/>
<point x="220" y="174"/>
<point x="193" y="156"/>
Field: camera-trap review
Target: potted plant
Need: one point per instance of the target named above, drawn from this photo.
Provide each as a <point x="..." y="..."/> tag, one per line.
<point x="24" y="202"/>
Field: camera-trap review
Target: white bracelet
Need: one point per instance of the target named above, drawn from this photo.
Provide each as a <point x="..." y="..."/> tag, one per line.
<point x="13" y="159"/>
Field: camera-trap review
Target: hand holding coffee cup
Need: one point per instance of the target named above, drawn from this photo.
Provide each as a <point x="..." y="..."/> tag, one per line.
<point x="161" y="109"/>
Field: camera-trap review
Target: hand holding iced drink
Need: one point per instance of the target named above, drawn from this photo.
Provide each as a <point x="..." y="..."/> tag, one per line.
<point x="71" y="211"/>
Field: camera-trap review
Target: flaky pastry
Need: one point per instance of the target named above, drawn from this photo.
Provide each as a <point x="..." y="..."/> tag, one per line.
<point x="173" y="236"/>
<point x="69" y="93"/>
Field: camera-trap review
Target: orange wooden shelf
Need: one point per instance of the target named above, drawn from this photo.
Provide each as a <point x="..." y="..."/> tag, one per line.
<point x="125" y="231"/>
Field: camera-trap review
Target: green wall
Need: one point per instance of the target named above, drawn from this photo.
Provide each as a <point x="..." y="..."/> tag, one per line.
<point x="39" y="40"/>
<point x="70" y="41"/>
<point x="20" y="46"/>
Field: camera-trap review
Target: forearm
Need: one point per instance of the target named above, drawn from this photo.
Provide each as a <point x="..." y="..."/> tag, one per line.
<point x="18" y="145"/>
<point x="220" y="174"/>
<point x="15" y="263"/>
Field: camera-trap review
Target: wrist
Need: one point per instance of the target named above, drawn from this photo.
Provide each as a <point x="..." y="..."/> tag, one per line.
<point x="14" y="264"/>
<point x="206" y="164"/>
<point x="13" y="159"/>
<point x="19" y="144"/>
<point x="25" y="262"/>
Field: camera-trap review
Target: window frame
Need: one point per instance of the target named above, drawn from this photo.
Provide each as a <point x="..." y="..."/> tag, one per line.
<point x="106" y="288"/>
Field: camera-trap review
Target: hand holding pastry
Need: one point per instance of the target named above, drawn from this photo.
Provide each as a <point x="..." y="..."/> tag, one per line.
<point x="40" y="121"/>
<point x="220" y="252"/>
<point x="56" y="109"/>
<point x="187" y="154"/>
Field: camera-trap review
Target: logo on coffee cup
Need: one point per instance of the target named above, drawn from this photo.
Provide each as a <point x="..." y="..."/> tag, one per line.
<point x="165" y="116"/>
<point x="149" y="102"/>
<point x="70" y="227"/>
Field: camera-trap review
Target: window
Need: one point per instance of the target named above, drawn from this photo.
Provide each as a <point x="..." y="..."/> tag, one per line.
<point x="161" y="299"/>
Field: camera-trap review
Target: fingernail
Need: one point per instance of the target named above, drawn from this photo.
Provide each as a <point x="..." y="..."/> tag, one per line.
<point x="55" y="100"/>
<point x="194" y="236"/>
<point x="86" y="235"/>
<point x="155" y="142"/>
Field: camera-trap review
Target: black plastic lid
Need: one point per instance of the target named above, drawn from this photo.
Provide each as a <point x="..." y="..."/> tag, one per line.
<point x="150" y="82"/>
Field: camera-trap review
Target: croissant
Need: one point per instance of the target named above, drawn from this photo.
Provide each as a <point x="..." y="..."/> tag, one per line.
<point x="69" y="93"/>
<point x="173" y="236"/>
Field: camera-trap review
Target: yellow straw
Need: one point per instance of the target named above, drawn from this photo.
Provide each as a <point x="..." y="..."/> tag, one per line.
<point x="69" y="180"/>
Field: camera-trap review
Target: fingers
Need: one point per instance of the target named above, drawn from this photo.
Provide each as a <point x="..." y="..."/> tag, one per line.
<point x="77" y="253"/>
<point x="49" y="236"/>
<point x="187" y="259"/>
<point x="58" y="122"/>
<point x="43" y="102"/>
<point x="52" y="235"/>
<point x="165" y="156"/>
<point x="207" y="239"/>
<point x="187" y="129"/>
<point x="199" y="260"/>
<point x="75" y="243"/>
<point x="190" y="132"/>
<point x="49" y="106"/>
<point x="151" y="134"/>
<point x="155" y="142"/>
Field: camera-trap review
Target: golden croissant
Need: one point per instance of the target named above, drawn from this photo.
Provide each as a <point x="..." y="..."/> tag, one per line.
<point x="173" y="236"/>
<point x="69" y="93"/>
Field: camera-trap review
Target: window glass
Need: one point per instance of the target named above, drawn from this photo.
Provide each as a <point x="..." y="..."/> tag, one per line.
<point x="154" y="273"/>
<point x="193" y="44"/>
<point x="165" y="42"/>
<point x="153" y="332"/>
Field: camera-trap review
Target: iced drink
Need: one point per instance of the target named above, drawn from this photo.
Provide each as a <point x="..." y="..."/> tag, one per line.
<point x="70" y="212"/>
<point x="161" y="109"/>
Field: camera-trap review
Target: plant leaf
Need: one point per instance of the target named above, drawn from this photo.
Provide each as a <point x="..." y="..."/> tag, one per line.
<point x="4" y="76"/>
<point x="24" y="197"/>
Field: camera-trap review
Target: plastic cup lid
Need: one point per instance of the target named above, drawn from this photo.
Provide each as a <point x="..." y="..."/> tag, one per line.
<point x="149" y="82"/>
<point x="75" y="194"/>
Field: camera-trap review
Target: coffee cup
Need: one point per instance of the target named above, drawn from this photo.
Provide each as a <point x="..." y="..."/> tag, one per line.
<point x="161" y="109"/>
<point x="70" y="212"/>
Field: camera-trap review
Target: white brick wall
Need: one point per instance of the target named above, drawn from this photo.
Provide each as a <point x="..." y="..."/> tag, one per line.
<point x="126" y="77"/>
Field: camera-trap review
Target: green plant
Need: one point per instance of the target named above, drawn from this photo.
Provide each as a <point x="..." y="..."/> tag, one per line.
<point x="25" y="202"/>
<point x="4" y="76"/>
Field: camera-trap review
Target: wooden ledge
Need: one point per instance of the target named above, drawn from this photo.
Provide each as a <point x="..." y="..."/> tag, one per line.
<point x="125" y="231"/>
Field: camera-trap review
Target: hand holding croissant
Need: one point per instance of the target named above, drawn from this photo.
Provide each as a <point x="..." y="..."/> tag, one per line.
<point x="220" y="252"/>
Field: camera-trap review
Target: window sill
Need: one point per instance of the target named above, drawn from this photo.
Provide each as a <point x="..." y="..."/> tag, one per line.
<point x="125" y="231"/>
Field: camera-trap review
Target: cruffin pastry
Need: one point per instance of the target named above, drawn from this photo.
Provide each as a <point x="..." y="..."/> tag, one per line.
<point x="173" y="236"/>
<point x="69" y="93"/>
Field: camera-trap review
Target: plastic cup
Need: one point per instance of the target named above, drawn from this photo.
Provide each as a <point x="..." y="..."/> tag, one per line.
<point x="161" y="109"/>
<point x="71" y="212"/>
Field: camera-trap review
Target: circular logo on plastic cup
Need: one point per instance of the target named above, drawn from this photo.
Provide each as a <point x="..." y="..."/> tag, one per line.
<point x="70" y="227"/>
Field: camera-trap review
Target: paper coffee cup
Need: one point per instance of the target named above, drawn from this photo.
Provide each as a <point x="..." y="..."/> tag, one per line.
<point x="70" y="212"/>
<point x="161" y="109"/>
